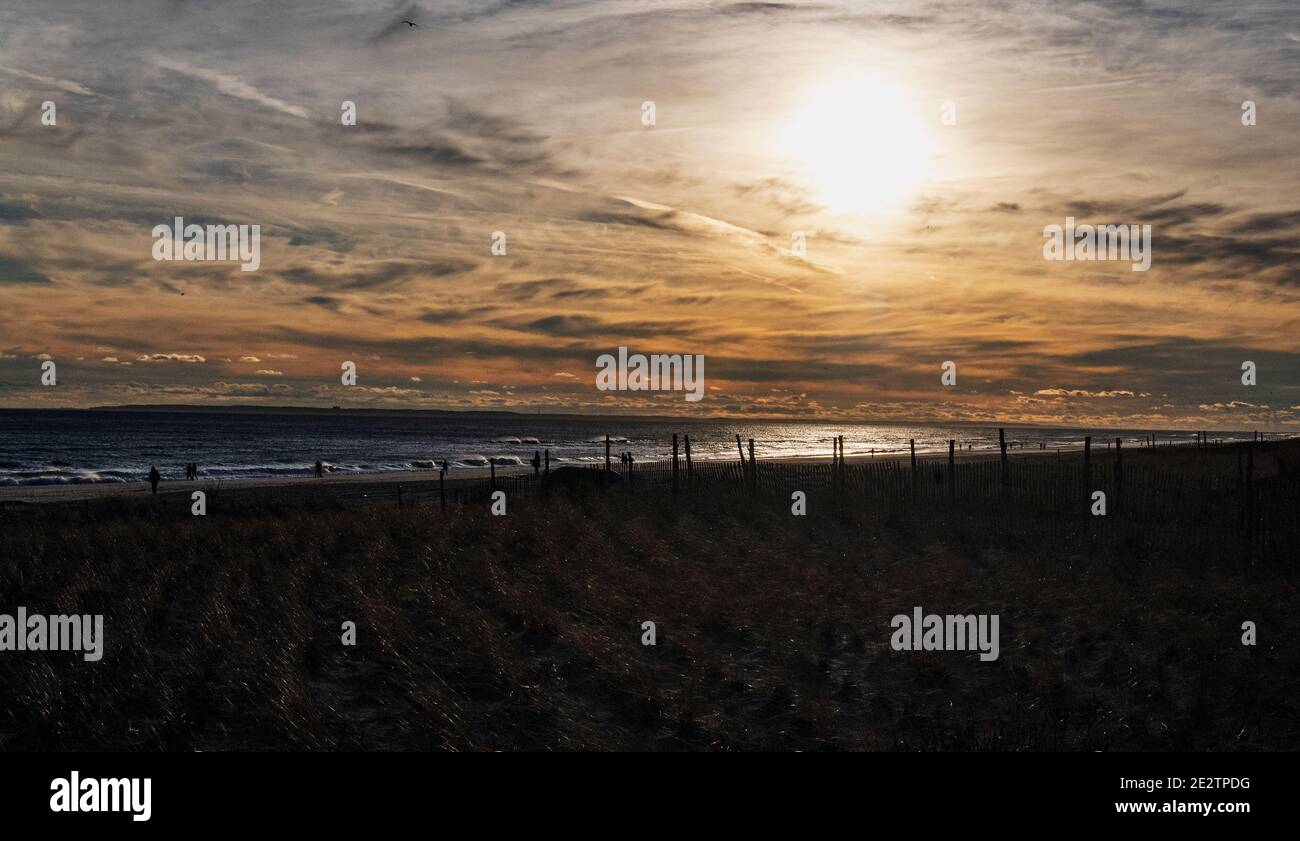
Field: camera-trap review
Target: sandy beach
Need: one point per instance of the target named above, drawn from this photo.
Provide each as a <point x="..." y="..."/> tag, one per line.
<point x="358" y="483"/>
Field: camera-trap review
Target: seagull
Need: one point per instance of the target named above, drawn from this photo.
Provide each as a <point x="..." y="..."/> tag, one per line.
<point x="409" y="23"/>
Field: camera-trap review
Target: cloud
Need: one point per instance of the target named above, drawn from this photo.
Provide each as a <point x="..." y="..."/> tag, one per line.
<point x="374" y="275"/>
<point x="1267" y="223"/>
<point x="61" y="84"/>
<point x="663" y="217"/>
<point x="376" y="236"/>
<point x="192" y="358"/>
<point x="1232" y="404"/>
<point x="17" y="271"/>
<point x="1081" y="392"/>
<point x="232" y="86"/>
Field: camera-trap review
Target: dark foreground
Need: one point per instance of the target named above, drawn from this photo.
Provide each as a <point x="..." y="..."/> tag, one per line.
<point x="524" y="631"/>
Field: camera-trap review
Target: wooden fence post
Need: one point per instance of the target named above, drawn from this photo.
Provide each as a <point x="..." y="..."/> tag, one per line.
<point x="911" y="443"/>
<point x="674" y="463"/>
<point x="952" y="473"/>
<point x="548" y="461"/>
<point x="1087" y="474"/>
<point x="744" y="468"/>
<point x="607" y="457"/>
<point x="1250" y="501"/>
<point x="1119" y="473"/>
<point x="1002" y="445"/>
<point x="492" y="465"/>
<point x="442" y="492"/>
<point x="689" y="476"/>
<point x="753" y="466"/>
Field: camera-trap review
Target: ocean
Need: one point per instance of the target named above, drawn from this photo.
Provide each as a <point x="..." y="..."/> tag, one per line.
<point x="41" y="447"/>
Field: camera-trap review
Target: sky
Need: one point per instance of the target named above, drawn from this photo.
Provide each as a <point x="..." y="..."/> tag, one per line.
<point x="831" y="200"/>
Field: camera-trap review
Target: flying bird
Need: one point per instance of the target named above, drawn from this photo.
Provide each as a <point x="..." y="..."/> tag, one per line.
<point x="409" y="23"/>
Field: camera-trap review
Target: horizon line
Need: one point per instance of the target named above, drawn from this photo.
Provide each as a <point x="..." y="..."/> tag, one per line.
<point x="182" y="408"/>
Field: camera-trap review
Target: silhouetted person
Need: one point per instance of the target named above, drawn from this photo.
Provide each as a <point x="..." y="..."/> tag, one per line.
<point x="320" y="469"/>
<point x="154" y="477"/>
<point x="537" y="463"/>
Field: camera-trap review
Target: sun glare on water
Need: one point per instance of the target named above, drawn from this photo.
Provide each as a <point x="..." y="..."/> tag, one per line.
<point x="861" y="145"/>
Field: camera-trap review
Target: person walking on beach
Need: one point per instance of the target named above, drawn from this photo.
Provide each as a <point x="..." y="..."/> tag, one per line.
<point x="320" y="469"/>
<point x="154" y="477"/>
<point x="537" y="463"/>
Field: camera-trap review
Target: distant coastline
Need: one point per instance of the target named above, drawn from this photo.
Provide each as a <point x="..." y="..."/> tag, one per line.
<point x="523" y="415"/>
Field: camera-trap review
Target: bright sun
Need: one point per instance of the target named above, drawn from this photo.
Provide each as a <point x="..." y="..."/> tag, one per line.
<point x="860" y="145"/>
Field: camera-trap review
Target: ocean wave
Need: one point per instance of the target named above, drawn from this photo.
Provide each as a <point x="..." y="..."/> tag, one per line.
<point x="80" y="477"/>
<point x="478" y="460"/>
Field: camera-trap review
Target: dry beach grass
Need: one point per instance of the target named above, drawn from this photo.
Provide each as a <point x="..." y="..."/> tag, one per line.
<point x="478" y="632"/>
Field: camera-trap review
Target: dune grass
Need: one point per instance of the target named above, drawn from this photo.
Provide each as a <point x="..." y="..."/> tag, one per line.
<point x="477" y="632"/>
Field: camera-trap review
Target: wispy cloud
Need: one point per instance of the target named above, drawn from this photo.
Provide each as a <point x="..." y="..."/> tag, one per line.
<point x="61" y="84"/>
<point x="231" y="86"/>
